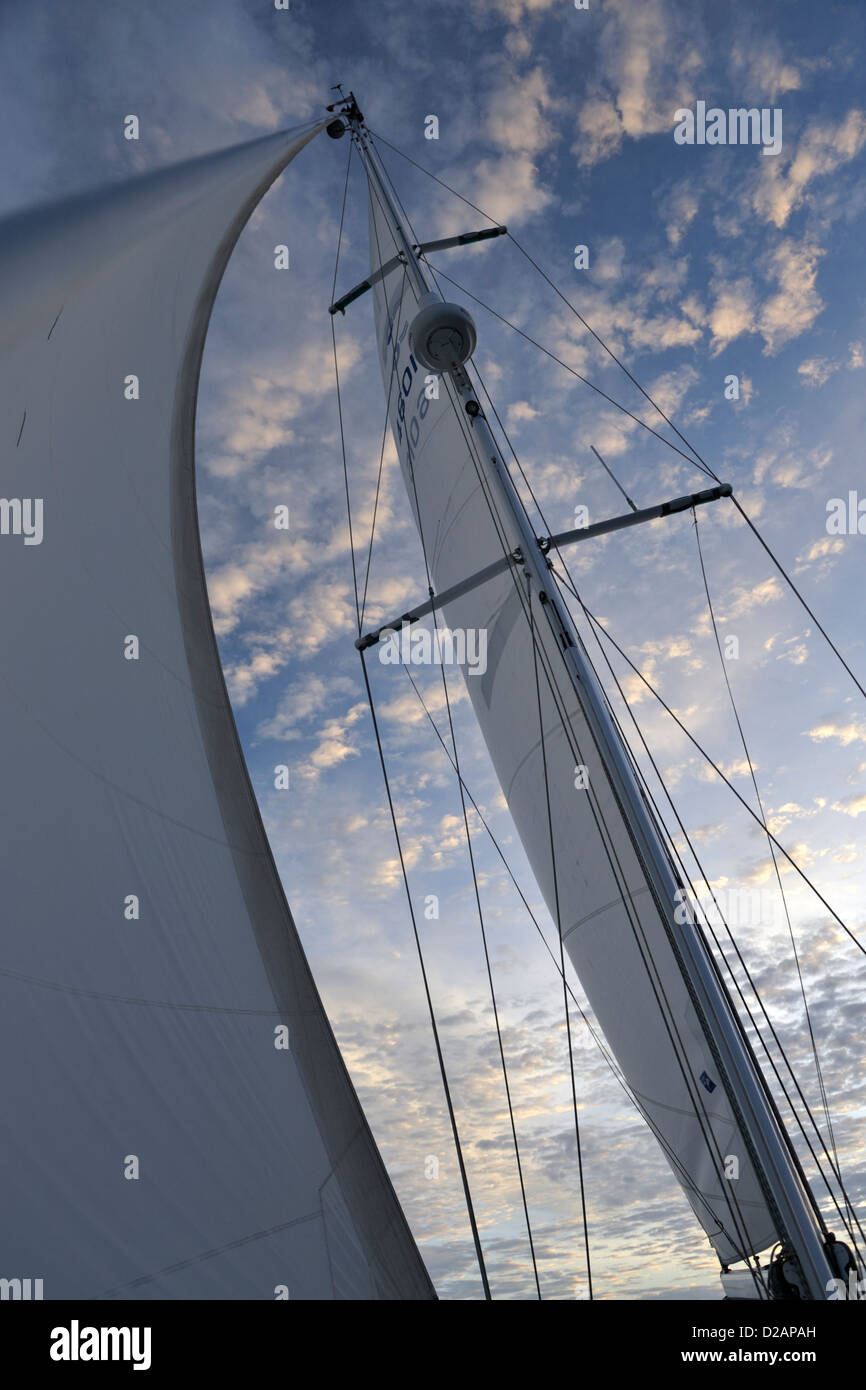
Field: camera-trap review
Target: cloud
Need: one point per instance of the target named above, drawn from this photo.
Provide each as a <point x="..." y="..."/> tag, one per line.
<point x="732" y="312"/>
<point x="517" y="10"/>
<point x="744" y="599"/>
<point x="823" y="148"/>
<point x="785" y="467"/>
<point x="519" y="412"/>
<point x="257" y="413"/>
<point x="851" y="806"/>
<point x="303" y="700"/>
<point x="739" y="767"/>
<point x="819" y="550"/>
<point x="600" y="131"/>
<point x="334" y="744"/>
<point x="816" y="371"/>
<point x="820" y="556"/>
<point x="795" y="305"/>
<point x="509" y="190"/>
<point x="844" y="731"/>
<point x="257" y="107"/>
<point x="761" y="70"/>
<point x="648" y="63"/>
<point x="518" y="118"/>
<point x="679" y="211"/>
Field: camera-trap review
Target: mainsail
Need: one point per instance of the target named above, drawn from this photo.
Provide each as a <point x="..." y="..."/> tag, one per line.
<point x="542" y="744"/>
<point x="160" y="1142"/>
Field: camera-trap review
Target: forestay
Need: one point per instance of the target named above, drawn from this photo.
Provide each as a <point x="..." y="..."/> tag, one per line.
<point x="611" y="923"/>
<point x="159" y="1142"/>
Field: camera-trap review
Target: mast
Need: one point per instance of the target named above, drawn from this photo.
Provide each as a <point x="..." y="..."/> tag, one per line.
<point x="786" y="1192"/>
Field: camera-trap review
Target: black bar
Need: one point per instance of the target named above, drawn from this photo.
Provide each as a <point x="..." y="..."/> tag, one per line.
<point x="619" y="523"/>
<point x="456" y="590"/>
<point x="339" y="306"/>
<point x="546" y="543"/>
<point x="465" y="239"/>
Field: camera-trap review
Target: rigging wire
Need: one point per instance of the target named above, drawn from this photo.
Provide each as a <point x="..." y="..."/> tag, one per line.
<point x="572" y="370"/>
<point x="614" y="479"/>
<point x="488" y="964"/>
<point x="476" y="889"/>
<point x="543" y="519"/>
<point x="489" y="967"/>
<point x="617" y="870"/>
<point x="535" y="648"/>
<point x="558" y="920"/>
<point x="789" y="581"/>
<point x="464" y="1177"/>
<point x="470" y="1208"/>
<point x="567" y="583"/>
<point x="697" y="1101"/>
<point x="570" y="585"/>
<point x="760" y="805"/>
<point x="615" y="865"/>
<point x="704" y="754"/>
<point x="616" y="1072"/>
<point x="697" y="460"/>
<point x="808" y="1014"/>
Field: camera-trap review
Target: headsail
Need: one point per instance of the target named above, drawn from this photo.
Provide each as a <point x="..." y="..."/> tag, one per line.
<point x="159" y="1143"/>
<point x="590" y="870"/>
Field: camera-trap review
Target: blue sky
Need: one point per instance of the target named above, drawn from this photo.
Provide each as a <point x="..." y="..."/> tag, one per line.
<point x="704" y="262"/>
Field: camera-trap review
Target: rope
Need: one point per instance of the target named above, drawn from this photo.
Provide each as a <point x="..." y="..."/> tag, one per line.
<point x="819" y="1073"/>
<point x="704" y="754"/>
<point x="476" y="891"/>
<point x="798" y="1121"/>
<point x="597" y="1038"/>
<point x="666" y="1012"/>
<point x="692" y="457"/>
<point x="431" y="1011"/>
<point x="572" y="370"/>
<point x="482" y="1269"/>
<point x="535" y="645"/>
<point x="789" y="581"/>
<point x="558" y="920"/>
<point x="735" y="982"/>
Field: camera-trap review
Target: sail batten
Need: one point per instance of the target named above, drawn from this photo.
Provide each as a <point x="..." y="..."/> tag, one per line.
<point x="182" y="1123"/>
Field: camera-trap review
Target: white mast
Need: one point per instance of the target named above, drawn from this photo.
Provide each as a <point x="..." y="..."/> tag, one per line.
<point x="784" y="1188"/>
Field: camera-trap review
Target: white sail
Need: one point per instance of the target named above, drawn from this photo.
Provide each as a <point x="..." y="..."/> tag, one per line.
<point x="159" y="1142"/>
<point x="611" y="925"/>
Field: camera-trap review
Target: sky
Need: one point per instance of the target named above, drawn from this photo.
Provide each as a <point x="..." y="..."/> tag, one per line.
<point x="705" y="262"/>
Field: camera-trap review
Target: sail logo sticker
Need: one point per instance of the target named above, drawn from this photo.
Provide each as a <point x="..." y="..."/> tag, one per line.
<point x="76" y="1343"/>
<point x="737" y="126"/>
<point x="444" y="647"/>
<point x="22" y="516"/>
<point x="707" y="1082"/>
